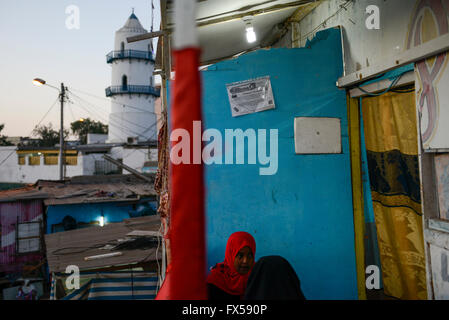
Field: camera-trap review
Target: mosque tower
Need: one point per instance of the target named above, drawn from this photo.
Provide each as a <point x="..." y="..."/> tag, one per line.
<point x="132" y="118"/>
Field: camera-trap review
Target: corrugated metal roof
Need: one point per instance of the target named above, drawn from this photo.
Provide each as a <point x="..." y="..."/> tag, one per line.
<point x="82" y="243"/>
<point x="25" y="193"/>
<point x="84" y="189"/>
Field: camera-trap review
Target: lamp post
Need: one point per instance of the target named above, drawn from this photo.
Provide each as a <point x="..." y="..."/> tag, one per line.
<point x="62" y="92"/>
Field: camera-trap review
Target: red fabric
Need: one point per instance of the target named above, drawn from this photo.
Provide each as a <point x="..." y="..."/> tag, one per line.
<point x="164" y="291"/>
<point x="224" y="275"/>
<point x="187" y="240"/>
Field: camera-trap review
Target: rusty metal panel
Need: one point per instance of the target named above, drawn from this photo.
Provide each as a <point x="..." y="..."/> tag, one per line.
<point x="10" y="214"/>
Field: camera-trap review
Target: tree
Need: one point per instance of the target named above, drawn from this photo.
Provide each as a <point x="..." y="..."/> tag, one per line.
<point x="82" y="127"/>
<point x="3" y="141"/>
<point x="48" y="136"/>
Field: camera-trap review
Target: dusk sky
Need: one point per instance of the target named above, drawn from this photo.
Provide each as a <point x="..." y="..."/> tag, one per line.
<point x="37" y="43"/>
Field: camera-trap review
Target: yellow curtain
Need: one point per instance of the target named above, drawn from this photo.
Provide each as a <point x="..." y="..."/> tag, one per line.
<point x="392" y="150"/>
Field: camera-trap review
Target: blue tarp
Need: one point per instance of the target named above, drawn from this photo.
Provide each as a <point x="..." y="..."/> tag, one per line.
<point x="127" y="285"/>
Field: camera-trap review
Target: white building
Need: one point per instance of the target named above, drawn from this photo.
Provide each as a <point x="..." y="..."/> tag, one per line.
<point x="133" y="119"/>
<point x="29" y="164"/>
<point x="132" y="89"/>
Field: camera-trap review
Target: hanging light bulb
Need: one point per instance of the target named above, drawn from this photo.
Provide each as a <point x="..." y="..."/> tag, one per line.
<point x="250" y="33"/>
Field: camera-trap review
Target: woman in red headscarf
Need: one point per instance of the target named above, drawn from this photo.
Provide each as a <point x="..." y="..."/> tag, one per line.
<point x="227" y="280"/>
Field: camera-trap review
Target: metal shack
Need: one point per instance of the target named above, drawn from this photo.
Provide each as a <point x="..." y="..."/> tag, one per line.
<point x="21" y="230"/>
<point x="118" y="261"/>
<point x="92" y="200"/>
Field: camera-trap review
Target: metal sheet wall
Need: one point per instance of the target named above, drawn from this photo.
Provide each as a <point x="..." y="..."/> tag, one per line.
<point x="25" y="211"/>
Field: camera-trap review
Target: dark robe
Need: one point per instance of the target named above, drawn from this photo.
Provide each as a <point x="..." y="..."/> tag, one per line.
<point x="273" y="278"/>
<point x="216" y="294"/>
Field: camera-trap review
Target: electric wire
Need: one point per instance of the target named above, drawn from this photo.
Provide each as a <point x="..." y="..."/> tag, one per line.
<point x="393" y="83"/>
<point x="111" y="100"/>
<point x="324" y="22"/>
<point x="114" y="122"/>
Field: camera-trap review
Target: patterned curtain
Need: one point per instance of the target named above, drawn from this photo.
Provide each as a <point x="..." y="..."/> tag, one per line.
<point x="392" y="150"/>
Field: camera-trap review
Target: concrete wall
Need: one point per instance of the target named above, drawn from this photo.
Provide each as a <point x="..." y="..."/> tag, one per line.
<point x="404" y="24"/>
<point x="96" y="138"/>
<point x="125" y="119"/>
<point x="133" y="158"/>
<point x="9" y="168"/>
<point x="304" y="211"/>
<point x="11" y="171"/>
<point x="363" y="47"/>
<point x="88" y="162"/>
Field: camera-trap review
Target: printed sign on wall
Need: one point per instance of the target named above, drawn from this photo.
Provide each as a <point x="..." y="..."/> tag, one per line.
<point x="250" y="96"/>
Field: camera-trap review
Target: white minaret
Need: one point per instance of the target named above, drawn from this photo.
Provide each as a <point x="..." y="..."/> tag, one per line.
<point x="132" y="89"/>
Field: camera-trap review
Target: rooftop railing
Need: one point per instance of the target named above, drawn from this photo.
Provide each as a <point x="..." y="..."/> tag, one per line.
<point x="129" y="54"/>
<point x="113" y="90"/>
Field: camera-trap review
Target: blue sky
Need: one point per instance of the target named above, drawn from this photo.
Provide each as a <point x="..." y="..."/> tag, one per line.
<point x="37" y="43"/>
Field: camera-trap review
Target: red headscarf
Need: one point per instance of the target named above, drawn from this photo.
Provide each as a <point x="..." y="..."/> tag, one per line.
<point x="224" y="275"/>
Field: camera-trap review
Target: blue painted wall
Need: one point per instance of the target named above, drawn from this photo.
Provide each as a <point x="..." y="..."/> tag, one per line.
<point x="304" y="212"/>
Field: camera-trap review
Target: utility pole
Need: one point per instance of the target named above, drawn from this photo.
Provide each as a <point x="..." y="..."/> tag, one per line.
<point x="40" y="82"/>
<point x="61" y="135"/>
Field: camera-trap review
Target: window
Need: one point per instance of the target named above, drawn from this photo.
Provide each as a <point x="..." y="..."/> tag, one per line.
<point x="122" y="46"/>
<point x="28" y="237"/>
<point x="51" y="159"/>
<point x="71" y="160"/>
<point x="124" y="82"/>
<point x="21" y="160"/>
<point x="34" y="160"/>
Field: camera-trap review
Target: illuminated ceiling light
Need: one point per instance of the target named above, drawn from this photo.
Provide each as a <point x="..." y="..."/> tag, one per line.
<point x="250" y="33"/>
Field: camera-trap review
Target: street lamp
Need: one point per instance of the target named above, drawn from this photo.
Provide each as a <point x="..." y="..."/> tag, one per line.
<point x="62" y="92"/>
<point x="38" y="82"/>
